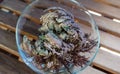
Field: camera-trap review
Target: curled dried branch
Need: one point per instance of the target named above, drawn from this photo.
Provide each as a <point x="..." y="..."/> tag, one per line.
<point x="60" y="41"/>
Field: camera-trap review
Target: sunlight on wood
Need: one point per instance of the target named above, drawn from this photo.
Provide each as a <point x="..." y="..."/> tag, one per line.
<point x="112" y="52"/>
<point x="5" y="10"/>
<point x="116" y="20"/>
<point x="94" y="13"/>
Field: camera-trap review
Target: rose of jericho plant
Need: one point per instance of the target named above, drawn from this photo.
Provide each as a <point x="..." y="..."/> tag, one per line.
<point x="60" y="42"/>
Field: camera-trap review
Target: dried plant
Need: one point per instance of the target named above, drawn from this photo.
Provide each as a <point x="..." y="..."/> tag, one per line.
<point x="60" y="42"/>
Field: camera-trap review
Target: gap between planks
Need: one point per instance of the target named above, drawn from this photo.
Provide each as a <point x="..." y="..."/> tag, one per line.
<point x="93" y="71"/>
<point x="19" y="13"/>
<point x="104" y="42"/>
<point x="31" y="37"/>
<point x="107" y="61"/>
<point x="105" y="10"/>
<point x="102" y="22"/>
<point x="9" y="50"/>
<point x="9" y="65"/>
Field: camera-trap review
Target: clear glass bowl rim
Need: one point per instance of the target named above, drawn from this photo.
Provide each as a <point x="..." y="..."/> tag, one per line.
<point x="23" y="56"/>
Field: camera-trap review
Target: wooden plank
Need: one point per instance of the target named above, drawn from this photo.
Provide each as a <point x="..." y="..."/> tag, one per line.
<point x="13" y="29"/>
<point x="91" y="70"/>
<point x="9" y="50"/>
<point x="6" y="67"/>
<point x="17" y="7"/>
<point x="100" y="20"/>
<point x="104" y="24"/>
<point x="115" y="3"/>
<point x="108" y="25"/>
<point x="9" y="65"/>
<point x="11" y="44"/>
<point x="110" y="41"/>
<point x="108" y="61"/>
<point x="114" y="28"/>
<point x="11" y="36"/>
<point x="8" y="39"/>
<point x="101" y="8"/>
<point x="8" y="18"/>
<point x="36" y="13"/>
<point x="107" y="40"/>
<point x="8" y="42"/>
<point x="113" y="37"/>
<point x="10" y="23"/>
<point x="16" y="4"/>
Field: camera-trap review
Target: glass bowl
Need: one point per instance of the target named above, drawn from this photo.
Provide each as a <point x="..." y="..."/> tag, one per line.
<point x="29" y="23"/>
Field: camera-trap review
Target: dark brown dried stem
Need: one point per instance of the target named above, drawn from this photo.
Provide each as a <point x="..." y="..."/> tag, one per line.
<point x="60" y="41"/>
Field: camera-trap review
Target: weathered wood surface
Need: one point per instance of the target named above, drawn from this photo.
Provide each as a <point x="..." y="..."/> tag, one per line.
<point x="8" y="42"/>
<point x="115" y="3"/>
<point x="91" y="70"/>
<point x="10" y="23"/>
<point x="102" y="8"/>
<point x="101" y="21"/>
<point x="8" y="39"/>
<point x="10" y="65"/>
<point x="109" y="30"/>
<point x="108" y="61"/>
<point x="10" y="36"/>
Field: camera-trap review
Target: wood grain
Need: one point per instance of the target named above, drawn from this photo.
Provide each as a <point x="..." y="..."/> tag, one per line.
<point x="9" y="50"/>
<point x="115" y="3"/>
<point x="9" y="65"/>
<point x="109" y="32"/>
<point x="104" y="59"/>
<point x="101" y="21"/>
<point x="16" y="4"/>
<point x="10" y="23"/>
<point x="8" y="39"/>
<point x="107" y="40"/>
<point x="8" y="46"/>
<point x="91" y="70"/>
<point x="108" y="62"/>
<point x="108" y="25"/>
<point x="104" y="9"/>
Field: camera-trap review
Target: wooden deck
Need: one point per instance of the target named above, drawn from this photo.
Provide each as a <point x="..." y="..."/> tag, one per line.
<point x="106" y="61"/>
